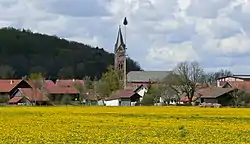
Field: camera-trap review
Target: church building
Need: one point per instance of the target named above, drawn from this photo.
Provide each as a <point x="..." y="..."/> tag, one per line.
<point x="134" y="78"/>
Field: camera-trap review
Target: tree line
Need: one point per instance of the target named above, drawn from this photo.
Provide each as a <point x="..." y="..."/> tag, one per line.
<point x="23" y="52"/>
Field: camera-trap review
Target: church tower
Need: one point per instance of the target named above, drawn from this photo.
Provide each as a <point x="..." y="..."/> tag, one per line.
<point x="120" y="56"/>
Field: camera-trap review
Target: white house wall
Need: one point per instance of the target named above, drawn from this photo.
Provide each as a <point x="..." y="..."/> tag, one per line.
<point x="18" y="94"/>
<point x="112" y="102"/>
<point x="228" y="79"/>
<point x="231" y="79"/>
<point x="142" y="91"/>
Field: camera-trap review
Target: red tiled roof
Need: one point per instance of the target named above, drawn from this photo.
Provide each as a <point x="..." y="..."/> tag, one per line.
<point x="241" y="85"/>
<point x="54" y="89"/>
<point x="15" y="99"/>
<point x="48" y="83"/>
<point x="213" y="92"/>
<point x="45" y="82"/>
<point x="33" y="94"/>
<point x="8" y="85"/>
<point x="69" y="83"/>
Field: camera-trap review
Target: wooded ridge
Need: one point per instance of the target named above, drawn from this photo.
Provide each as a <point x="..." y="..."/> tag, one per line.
<point x="23" y="52"/>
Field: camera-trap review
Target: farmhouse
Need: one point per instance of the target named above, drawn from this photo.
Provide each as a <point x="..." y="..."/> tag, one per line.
<point x="223" y="96"/>
<point x="21" y="91"/>
<point x="126" y="97"/>
<point x="29" y="96"/>
<point x="214" y="95"/>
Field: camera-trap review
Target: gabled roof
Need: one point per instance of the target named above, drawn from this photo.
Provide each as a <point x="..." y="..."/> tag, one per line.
<point x="123" y="93"/>
<point x="49" y="83"/>
<point x="15" y="100"/>
<point x="61" y="90"/>
<point x="146" y="76"/>
<point x="31" y="94"/>
<point x="139" y="88"/>
<point x="241" y="85"/>
<point x="8" y="85"/>
<point x="214" y="92"/>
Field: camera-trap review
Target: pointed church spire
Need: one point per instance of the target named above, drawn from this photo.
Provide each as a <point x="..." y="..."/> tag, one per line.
<point x="119" y="42"/>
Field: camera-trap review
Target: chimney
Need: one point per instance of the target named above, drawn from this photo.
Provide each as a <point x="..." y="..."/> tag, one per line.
<point x="11" y="81"/>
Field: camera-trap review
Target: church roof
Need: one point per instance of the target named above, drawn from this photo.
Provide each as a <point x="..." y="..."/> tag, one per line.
<point x="145" y="76"/>
<point x="119" y="41"/>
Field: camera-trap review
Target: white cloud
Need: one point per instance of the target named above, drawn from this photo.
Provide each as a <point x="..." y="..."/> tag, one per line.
<point x="172" y="54"/>
<point x="164" y="32"/>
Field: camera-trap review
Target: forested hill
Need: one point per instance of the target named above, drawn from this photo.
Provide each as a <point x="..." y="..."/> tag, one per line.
<point x="23" y="52"/>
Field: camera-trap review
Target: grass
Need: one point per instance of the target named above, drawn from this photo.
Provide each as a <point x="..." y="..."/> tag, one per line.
<point x="124" y="125"/>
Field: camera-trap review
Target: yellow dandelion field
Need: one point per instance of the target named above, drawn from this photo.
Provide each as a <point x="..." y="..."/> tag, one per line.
<point x="135" y="125"/>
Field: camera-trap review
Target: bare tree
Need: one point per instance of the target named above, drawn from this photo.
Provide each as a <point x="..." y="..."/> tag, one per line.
<point x="37" y="82"/>
<point x="165" y="92"/>
<point x="82" y="89"/>
<point x="211" y="77"/>
<point x="187" y="77"/>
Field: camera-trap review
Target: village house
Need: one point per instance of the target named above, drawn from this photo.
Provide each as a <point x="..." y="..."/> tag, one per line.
<point x="213" y="95"/>
<point x="217" y="95"/>
<point x="29" y="96"/>
<point x="56" y="92"/>
<point x="24" y="92"/>
<point x="126" y="97"/>
<point x="8" y="87"/>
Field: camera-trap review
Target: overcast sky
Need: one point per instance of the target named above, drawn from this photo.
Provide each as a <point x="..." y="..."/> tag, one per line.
<point x="160" y="33"/>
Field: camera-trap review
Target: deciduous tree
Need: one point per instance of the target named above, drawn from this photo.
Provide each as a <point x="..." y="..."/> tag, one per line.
<point x="37" y="81"/>
<point x="211" y="77"/>
<point x="109" y="82"/>
<point x="188" y="76"/>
